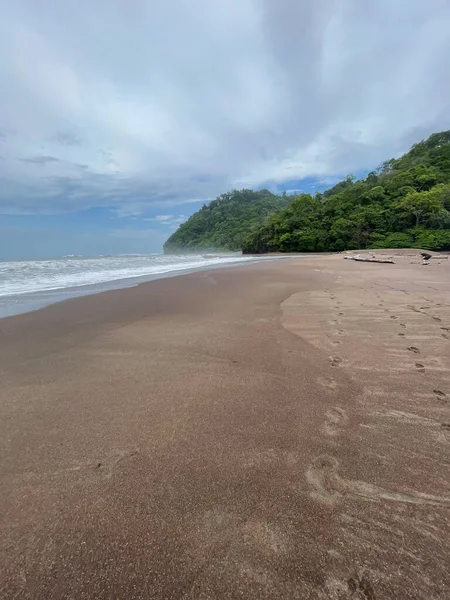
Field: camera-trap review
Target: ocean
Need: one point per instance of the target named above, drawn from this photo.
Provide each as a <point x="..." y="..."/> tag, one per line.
<point x="31" y="284"/>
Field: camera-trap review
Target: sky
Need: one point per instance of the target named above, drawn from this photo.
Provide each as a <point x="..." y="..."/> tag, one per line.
<point x="119" y="118"/>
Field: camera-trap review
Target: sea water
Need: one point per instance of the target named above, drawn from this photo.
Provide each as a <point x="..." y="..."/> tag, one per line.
<point x="31" y="284"/>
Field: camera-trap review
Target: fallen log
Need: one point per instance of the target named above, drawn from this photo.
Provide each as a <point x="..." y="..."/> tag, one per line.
<point x="371" y="260"/>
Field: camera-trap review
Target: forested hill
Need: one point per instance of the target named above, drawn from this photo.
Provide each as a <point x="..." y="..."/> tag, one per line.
<point x="225" y="223"/>
<point x="405" y="203"/>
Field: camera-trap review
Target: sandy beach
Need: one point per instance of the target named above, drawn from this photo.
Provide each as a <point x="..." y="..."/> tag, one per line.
<point x="276" y="430"/>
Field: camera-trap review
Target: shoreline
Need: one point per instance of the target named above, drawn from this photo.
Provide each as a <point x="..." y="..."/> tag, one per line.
<point x="32" y="301"/>
<point x="277" y="430"/>
<point x="15" y="304"/>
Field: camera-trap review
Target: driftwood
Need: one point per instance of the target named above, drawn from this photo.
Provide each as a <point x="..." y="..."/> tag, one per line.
<point x="371" y="260"/>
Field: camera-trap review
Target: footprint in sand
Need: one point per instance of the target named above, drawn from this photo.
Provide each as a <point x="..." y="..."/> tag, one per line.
<point x="360" y="587"/>
<point x="439" y="394"/>
<point x="414" y="349"/>
<point x="394" y="317"/>
<point x="328" y="382"/>
<point x="340" y="314"/>
<point x="446" y="328"/>
<point x="321" y="475"/>
<point x="336" y="342"/>
<point x="335" y="361"/>
<point x="401" y="334"/>
<point x="402" y="325"/>
<point x="335" y="418"/>
<point x="444" y="335"/>
<point x="413" y="308"/>
<point x="436" y="319"/>
<point x="420" y="367"/>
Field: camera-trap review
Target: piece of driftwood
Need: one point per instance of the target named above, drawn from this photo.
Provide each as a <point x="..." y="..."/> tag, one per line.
<point x="371" y="260"/>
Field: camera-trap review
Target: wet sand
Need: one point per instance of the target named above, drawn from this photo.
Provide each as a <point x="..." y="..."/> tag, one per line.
<point x="279" y="430"/>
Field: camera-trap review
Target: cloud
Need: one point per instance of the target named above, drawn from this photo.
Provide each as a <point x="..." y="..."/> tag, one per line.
<point x="40" y="160"/>
<point x="135" y="106"/>
<point x="66" y="138"/>
<point x="172" y="220"/>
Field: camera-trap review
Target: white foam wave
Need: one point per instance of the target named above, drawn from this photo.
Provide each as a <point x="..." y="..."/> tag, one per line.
<point x="26" y="277"/>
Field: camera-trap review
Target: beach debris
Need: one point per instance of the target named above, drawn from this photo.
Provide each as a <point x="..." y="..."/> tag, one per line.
<point x="426" y="255"/>
<point x="372" y="259"/>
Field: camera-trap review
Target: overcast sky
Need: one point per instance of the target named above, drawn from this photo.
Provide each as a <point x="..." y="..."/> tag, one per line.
<point x="119" y="117"/>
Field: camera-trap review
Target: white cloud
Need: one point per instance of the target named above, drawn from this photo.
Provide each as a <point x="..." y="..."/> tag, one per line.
<point x="151" y="104"/>
<point x="171" y="220"/>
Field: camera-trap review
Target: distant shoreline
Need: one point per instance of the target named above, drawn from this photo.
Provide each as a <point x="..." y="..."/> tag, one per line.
<point x="14" y="304"/>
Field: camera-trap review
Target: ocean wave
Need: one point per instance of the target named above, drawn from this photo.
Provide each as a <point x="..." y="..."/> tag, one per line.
<point x="71" y="271"/>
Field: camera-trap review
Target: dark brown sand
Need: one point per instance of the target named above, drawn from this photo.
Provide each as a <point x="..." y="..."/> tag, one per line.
<point x="279" y="430"/>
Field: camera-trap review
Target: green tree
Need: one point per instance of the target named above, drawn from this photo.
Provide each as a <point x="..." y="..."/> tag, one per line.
<point x="421" y="206"/>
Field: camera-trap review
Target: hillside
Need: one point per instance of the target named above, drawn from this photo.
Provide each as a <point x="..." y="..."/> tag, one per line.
<point x="225" y="223"/>
<point x="405" y="203"/>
